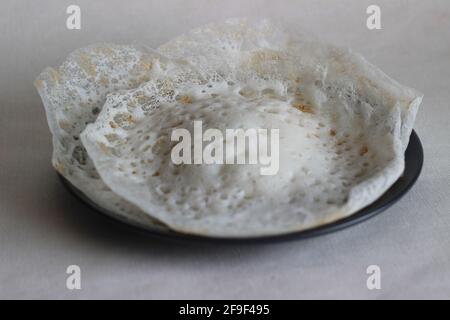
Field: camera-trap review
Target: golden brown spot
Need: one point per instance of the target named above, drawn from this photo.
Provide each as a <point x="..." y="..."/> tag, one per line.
<point x="363" y="150"/>
<point x="104" y="148"/>
<point x="39" y="84"/>
<point x="130" y="119"/>
<point x="247" y="93"/>
<point x="104" y="81"/>
<point x="124" y="120"/>
<point x="260" y="59"/>
<point x="64" y="125"/>
<point x="55" y="75"/>
<point x="341" y="142"/>
<point x="332" y="132"/>
<point x="146" y="65"/>
<point x="113" y="124"/>
<point x="144" y="78"/>
<point x="263" y="56"/>
<point x="107" y="51"/>
<point x="177" y="124"/>
<point x="186" y="100"/>
<point x="111" y="137"/>
<point x="158" y="146"/>
<point x="59" y="167"/>
<point x="86" y="64"/>
<point x="303" y="108"/>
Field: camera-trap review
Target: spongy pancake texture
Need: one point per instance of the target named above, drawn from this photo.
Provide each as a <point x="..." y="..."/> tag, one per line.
<point x="343" y="128"/>
<point x="73" y="96"/>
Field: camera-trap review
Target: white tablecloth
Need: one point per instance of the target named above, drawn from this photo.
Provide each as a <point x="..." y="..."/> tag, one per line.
<point x="43" y="229"/>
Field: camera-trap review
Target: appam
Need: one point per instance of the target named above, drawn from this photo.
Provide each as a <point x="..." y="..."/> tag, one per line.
<point x="344" y="126"/>
<point x="73" y="96"/>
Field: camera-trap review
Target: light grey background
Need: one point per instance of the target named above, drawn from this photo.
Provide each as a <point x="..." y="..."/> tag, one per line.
<point x="43" y="229"/>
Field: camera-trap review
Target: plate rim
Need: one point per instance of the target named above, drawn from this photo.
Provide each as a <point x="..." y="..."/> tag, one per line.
<point x="414" y="159"/>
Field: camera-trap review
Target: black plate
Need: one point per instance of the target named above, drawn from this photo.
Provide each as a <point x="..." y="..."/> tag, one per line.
<point x="413" y="167"/>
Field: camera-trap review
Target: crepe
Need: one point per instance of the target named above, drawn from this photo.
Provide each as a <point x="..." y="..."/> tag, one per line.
<point x="343" y="128"/>
<point x="73" y="96"/>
